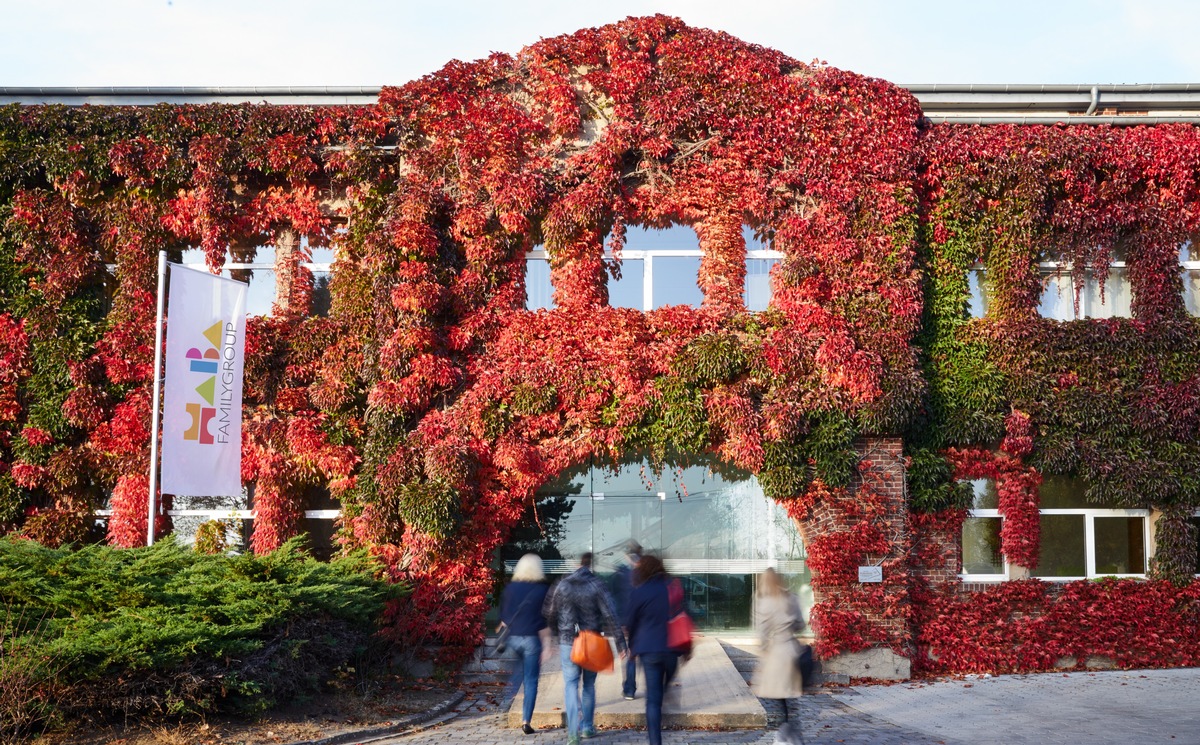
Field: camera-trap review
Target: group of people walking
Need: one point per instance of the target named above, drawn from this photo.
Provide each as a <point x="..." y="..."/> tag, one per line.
<point x="635" y="613"/>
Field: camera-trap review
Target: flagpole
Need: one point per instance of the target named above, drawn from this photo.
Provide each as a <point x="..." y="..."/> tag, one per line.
<point x="157" y="402"/>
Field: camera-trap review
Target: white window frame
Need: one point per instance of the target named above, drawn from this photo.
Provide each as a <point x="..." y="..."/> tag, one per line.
<point x="647" y="258"/>
<point x="1049" y="269"/>
<point x="325" y="267"/>
<point x="963" y="575"/>
<point x="1089" y="541"/>
<point x="969" y="577"/>
<point x="1186" y="265"/>
<point x="977" y="298"/>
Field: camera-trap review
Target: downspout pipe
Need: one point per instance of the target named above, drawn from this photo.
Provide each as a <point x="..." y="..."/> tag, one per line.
<point x="1095" y="100"/>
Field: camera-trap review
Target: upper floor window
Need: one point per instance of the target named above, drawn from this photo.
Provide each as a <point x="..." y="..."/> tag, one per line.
<point x="659" y="268"/>
<point x="979" y="291"/>
<point x="1058" y="293"/>
<point x="259" y="273"/>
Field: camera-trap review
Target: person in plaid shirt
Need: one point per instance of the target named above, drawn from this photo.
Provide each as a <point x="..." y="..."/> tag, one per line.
<point x="581" y="601"/>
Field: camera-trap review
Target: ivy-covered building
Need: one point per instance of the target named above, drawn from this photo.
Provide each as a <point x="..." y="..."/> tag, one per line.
<point x="648" y="282"/>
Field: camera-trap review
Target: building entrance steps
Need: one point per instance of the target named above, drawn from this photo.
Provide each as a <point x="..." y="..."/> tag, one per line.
<point x="708" y="692"/>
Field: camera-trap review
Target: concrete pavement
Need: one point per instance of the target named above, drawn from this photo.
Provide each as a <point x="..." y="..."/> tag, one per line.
<point x="707" y="692"/>
<point x="1148" y="707"/>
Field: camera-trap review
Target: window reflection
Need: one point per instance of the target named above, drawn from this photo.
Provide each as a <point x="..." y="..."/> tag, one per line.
<point x="629" y="290"/>
<point x="979" y="290"/>
<point x="1191" y="291"/>
<point x="539" y="293"/>
<point x="1120" y="545"/>
<point x="1196" y="535"/>
<point x="757" y="294"/>
<point x="676" y="281"/>
<point x="981" y="546"/>
<point x="986" y="496"/>
<point x="673" y="238"/>
<point x="715" y="531"/>
<point x="321" y="298"/>
<point x="260" y="295"/>
<point x="1058" y="298"/>
<point x="254" y="265"/>
<point x="1064" y="547"/>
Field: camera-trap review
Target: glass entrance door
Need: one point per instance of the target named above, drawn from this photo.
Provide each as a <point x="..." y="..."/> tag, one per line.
<point x="715" y="532"/>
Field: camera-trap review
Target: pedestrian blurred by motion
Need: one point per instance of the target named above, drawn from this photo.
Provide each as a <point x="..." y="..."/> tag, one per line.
<point x="622" y="586"/>
<point x="581" y="602"/>
<point x="528" y="635"/>
<point x="649" y="611"/>
<point x="778" y="620"/>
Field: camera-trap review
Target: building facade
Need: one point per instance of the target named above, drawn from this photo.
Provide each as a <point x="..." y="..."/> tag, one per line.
<point x="929" y="351"/>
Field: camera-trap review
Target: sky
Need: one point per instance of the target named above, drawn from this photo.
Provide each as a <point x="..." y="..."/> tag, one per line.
<point x="382" y="42"/>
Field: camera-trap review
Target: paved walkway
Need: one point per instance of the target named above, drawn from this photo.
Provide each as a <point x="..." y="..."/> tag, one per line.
<point x="1149" y="707"/>
<point x="707" y="692"/>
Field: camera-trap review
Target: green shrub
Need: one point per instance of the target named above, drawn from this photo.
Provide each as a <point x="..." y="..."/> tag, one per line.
<point x="167" y="630"/>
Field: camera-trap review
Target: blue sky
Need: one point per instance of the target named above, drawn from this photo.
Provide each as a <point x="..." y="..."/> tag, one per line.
<point x="376" y="42"/>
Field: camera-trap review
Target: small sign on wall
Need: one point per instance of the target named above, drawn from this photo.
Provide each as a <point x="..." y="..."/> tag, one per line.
<point x="870" y="574"/>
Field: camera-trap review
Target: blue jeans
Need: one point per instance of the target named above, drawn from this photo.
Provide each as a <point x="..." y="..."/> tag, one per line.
<point x="629" y="686"/>
<point x="571" y="672"/>
<point x="528" y="650"/>
<point x="659" y="668"/>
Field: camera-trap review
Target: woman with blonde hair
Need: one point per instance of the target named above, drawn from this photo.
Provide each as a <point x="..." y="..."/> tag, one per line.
<point x="778" y="620"/>
<point x="528" y="634"/>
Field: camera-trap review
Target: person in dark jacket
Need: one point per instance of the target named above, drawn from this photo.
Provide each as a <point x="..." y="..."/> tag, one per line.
<point x="529" y="636"/>
<point x="646" y="619"/>
<point x="581" y="601"/>
<point x="622" y="581"/>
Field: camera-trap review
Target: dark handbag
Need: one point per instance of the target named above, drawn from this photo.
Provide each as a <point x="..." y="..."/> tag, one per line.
<point x="805" y="663"/>
<point x="506" y="630"/>
<point x="502" y="639"/>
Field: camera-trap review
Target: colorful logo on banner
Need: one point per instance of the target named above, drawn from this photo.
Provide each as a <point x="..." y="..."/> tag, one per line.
<point x="206" y="363"/>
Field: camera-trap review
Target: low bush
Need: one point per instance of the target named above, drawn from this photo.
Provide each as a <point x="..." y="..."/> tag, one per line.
<point x="166" y="630"/>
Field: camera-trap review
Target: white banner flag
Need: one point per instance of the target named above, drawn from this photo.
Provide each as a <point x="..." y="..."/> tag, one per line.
<point x="202" y="387"/>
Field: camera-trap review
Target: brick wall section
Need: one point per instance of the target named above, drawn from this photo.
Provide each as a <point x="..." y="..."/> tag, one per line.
<point x="938" y="554"/>
<point x="882" y="467"/>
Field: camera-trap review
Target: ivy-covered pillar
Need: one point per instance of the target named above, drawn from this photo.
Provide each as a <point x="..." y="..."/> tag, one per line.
<point x="862" y="618"/>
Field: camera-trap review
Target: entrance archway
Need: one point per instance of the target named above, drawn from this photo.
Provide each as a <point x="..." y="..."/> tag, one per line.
<point x="713" y="526"/>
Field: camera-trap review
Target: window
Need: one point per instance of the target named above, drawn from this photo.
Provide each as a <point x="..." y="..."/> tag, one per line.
<point x="982" y="560"/>
<point x="715" y="529"/>
<point x="1196" y="534"/>
<point x="1079" y="539"/>
<point x="539" y="293"/>
<point x="259" y="273"/>
<point x="659" y="268"/>
<point x="1058" y="293"/>
<point x="1082" y="539"/>
<point x="1189" y="262"/>
<point x="980" y="292"/>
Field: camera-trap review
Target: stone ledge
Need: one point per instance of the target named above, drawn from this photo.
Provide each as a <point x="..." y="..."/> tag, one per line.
<point x="876" y="664"/>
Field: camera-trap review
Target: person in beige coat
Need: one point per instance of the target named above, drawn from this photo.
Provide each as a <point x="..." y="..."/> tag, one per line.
<point x="778" y="620"/>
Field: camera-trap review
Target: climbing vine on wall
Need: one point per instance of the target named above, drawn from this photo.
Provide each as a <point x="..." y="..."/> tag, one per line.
<point x="433" y="405"/>
<point x="1112" y="401"/>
